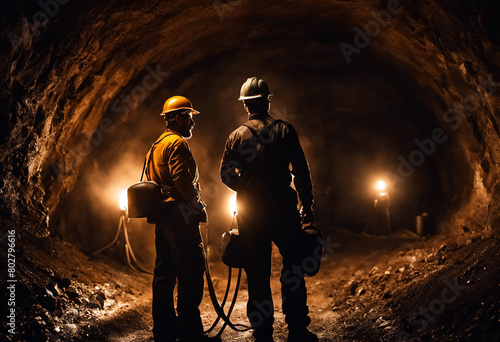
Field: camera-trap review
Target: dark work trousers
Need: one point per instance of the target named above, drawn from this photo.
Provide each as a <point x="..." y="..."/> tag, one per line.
<point x="261" y="222"/>
<point x="179" y="256"/>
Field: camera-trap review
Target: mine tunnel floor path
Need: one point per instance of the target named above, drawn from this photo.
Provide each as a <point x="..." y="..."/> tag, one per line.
<point x="342" y="260"/>
<point x="365" y="287"/>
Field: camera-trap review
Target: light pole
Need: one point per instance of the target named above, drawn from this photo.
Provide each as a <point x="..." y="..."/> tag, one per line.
<point x="123" y="228"/>
<point x="382" y="206"/>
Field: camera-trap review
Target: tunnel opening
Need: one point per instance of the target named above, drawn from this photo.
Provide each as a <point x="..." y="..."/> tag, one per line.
<point x="365" y="116"/>
<point x="414" y="101"/>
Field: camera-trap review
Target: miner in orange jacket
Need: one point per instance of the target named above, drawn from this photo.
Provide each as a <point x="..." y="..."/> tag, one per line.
<point x="179" y="251"/>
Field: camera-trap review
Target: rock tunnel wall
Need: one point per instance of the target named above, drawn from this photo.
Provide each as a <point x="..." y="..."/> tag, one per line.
<point x="80" y="79"/>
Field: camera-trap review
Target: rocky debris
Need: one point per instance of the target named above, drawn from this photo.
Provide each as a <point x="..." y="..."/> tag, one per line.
<point x="47" y="300"/>
<point x="364" y="301"/>
<point x="352" y="287"/>
<point x="101" y="294"/>
<point x="381" y="323"/>
<point x="54" y="288"/>
<point x="64" y="310"/>
<point x="62" y="282"/>
<point x="386" y="293"/>
<point x="95" y="303"/>
<point x="467" y="68"/>
<point x="72" y="294"/>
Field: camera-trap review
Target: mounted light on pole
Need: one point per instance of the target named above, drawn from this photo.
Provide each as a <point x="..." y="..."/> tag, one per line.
<point x="232" y="205"/>
<point x="123" y="230"/>
<point x="382" y="188"/>
<point x="382" y="204"/>
<point x="123" y="200"/>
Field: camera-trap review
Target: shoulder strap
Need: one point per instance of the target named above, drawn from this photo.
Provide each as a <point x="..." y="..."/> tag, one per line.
<point x="147" y="160"/>
<point x="251" y="129"/>
<point x="262" y="158"/>
<point x="254" y="132"/>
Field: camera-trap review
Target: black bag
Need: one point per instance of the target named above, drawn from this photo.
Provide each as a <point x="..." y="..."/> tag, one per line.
<point x="232" y="249"/>
<point x="312" y="249"/>
<point x="145" y="198"/>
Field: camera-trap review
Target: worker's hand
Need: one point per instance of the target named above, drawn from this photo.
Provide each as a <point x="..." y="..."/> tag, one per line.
<point x="203" y="215"/>
<point x="307" y="215"/>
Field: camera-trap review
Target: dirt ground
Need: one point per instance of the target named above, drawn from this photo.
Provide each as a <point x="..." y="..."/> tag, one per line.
<point x="370" y="288"/>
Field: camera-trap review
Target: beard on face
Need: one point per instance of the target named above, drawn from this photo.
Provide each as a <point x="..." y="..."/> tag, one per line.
<point x="187" y="134"/>
<point x="183" y="129"/>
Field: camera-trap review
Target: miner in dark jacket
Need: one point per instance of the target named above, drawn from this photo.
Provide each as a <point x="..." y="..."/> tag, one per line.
<point x="179" y="252"/>
<point x="259" y="160"/>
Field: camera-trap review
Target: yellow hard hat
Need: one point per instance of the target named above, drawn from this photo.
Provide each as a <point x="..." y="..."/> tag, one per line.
<point x="176" y="103"/>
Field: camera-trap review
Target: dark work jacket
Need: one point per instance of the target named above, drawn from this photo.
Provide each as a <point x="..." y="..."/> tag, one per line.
<point x="260" y="164"/>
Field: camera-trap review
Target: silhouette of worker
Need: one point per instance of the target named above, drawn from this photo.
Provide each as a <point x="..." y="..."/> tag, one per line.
<point x="259" y="160"/>
<point x="179" y="253"/>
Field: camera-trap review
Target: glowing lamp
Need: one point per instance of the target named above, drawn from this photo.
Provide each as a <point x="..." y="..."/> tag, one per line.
<point x="123" y="200"/>
<point x="232" y="205"/>
<point x="381" y="186"/>
<point x="382" y="204"/>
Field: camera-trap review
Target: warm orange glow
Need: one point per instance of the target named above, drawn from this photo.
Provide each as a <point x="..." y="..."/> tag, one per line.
<point x="232" y="204"/>
<point x="381" y="185"/>
<point x="123" y="200"/>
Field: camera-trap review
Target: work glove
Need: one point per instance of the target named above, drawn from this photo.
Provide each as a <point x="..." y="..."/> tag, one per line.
<point x="203" y="215"/>
<point x="307" y="215"/>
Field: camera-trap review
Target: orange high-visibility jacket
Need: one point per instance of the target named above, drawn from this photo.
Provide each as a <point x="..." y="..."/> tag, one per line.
<point x="174" y="169"/>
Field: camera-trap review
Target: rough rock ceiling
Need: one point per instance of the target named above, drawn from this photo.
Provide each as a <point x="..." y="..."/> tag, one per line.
<point x="80" y="97"/>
